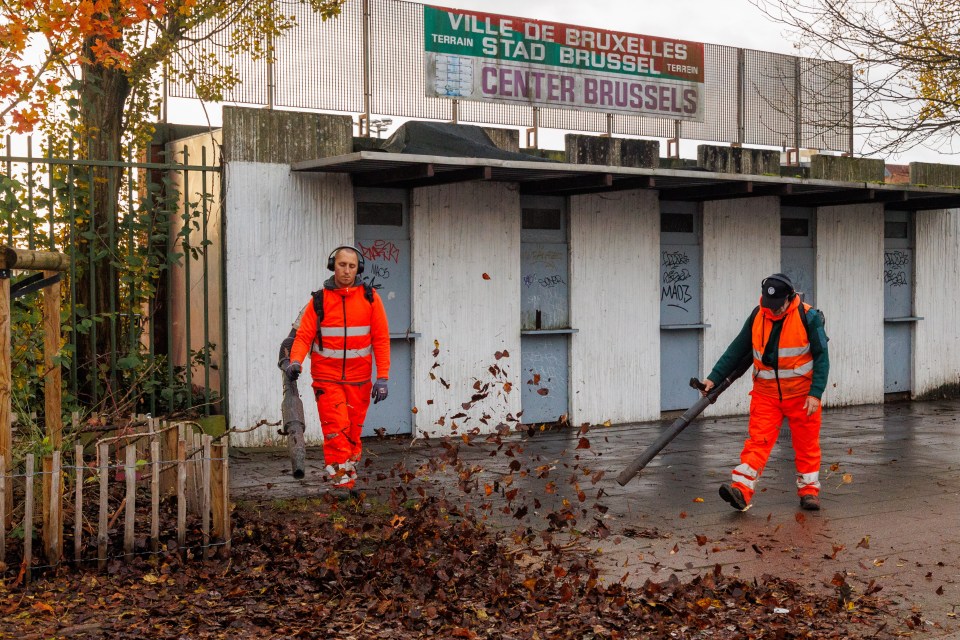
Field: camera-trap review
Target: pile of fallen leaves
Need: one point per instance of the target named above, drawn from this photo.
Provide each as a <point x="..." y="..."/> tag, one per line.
<point x="391" y="566"/>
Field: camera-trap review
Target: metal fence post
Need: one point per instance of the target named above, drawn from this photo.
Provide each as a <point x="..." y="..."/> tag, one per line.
<point x="741" y="97"/>
<point x="365" y="125"/>
<point x="271" y="80"/>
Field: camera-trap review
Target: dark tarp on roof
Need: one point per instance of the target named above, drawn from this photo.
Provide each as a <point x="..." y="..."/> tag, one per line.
<point x="449" y="140"/>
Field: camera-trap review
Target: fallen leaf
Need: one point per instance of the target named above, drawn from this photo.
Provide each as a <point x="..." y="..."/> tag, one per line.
<point x="486" y="276"/>
<point x="698" y="499"/>
<point x="542" y="391"/>
<point x="847" y="478"/>
<point x="865" y="543"/>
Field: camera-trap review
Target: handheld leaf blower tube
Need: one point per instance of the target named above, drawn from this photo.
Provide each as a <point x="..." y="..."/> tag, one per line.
<point x="683" y="421"/>
<point x="291" y="411"/>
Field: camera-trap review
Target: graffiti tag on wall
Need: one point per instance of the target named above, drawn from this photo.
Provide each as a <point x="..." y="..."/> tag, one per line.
<point x="674" y="291"/>
<point x="895" y="267"/>
<point x="380" y="250"/>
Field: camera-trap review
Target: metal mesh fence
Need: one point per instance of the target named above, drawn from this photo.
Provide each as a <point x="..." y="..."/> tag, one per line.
<point x="320" y="64"/>
<point x="752" y="97"/>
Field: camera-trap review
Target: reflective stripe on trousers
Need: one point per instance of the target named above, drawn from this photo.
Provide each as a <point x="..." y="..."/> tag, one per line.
<point x="745" y="475"/>
<point x="808" y="481"/>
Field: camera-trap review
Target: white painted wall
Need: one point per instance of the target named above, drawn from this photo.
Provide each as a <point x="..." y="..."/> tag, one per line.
<point x="459" y="233"/>
<point x="198" y="183"/>
<point x="280" y="226"/>
<point x="741" y="247"/>
<point x="850" y="294"/>
<point x="936" y="346"/>
<point x="614" y="302"/>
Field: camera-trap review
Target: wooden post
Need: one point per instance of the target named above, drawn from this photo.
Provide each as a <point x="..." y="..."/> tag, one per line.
<point x="78" y="503"/>
<point x="28" y="519"/>
<point x="6" y="429"/>
<point x="168" y="479"/>
<point x="181" y="495"/>
<point x="3" y="509"/>
<point x="102" y="537"/>
<point x="155" y="495"/>
<point x="53" y="382"/>
<point x="130" y="475"/>
<point x="217" y="454"/>
<point x="205" y="508"/>
<point x="52" y="532"/>
<point x="227" y="529"/>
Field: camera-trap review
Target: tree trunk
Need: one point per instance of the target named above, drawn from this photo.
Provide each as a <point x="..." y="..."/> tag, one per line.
<point x="103" y="94"/>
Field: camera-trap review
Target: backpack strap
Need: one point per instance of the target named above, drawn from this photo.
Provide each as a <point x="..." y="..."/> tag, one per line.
<point x="318" y="305"/>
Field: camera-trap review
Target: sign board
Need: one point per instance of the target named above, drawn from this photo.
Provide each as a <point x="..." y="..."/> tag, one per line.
<point x="472" y="55"/>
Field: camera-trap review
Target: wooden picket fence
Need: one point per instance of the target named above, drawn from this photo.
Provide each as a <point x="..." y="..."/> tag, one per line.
<point x="164" y="460"/>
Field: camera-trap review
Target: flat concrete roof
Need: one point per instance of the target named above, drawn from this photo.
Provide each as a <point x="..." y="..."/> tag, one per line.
<point x="405" y="171"/>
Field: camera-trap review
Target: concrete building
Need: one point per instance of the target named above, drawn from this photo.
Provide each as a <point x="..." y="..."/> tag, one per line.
<point x="589" y="289"/>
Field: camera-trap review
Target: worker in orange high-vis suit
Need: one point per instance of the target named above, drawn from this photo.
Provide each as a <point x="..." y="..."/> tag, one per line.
<point x="787" y="340"/>
<point x="352" y="332"/>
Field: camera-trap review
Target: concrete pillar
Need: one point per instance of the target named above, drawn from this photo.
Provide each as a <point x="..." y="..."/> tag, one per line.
<point x="612" y="152"/>
<point x="934" y="175"/>
<point x="754" y="162"/>
<point x="283" y="137"/>
<point x="846" y="169"/>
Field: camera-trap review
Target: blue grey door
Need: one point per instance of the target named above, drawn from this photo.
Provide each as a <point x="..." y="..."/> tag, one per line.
<point x="383" y="236"/>
<point x="681" y="323"/>
<point x="898" y="318"/>
<point x="544" y="310"/>
<point x="798" y="258"/>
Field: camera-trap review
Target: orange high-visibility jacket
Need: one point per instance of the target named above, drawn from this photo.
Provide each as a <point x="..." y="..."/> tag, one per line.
<point x="794" y="371"/>
<point x="353" y="330"/>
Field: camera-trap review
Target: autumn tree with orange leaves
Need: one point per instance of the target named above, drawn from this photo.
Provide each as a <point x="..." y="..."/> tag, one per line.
<point x="90" y="71"/>
<point x="906" y="59"/>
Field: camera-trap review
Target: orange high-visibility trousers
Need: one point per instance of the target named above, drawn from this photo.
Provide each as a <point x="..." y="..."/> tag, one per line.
<point x="766" y="417"/>
<point x="342" y="409"/>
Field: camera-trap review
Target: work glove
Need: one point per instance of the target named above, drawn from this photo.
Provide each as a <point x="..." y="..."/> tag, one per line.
<point x="379" y="390"/>
<point x="293" y="371"/>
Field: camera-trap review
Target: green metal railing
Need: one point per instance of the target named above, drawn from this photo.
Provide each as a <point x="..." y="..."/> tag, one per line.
<point x="156" y="242"/>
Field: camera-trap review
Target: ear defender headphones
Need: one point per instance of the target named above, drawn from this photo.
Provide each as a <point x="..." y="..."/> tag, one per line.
<point x="333" y="255"/>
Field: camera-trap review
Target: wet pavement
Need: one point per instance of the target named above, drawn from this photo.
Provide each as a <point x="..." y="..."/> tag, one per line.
<point x="890" y="494"/>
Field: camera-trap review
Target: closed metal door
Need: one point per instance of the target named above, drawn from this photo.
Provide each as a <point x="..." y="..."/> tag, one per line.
<point x="681" y="304"/>
<point x="898" y="318"/>
<point x="544" y="310"/>
<point x="798" y="257"/>
<point x="383" y="237"/>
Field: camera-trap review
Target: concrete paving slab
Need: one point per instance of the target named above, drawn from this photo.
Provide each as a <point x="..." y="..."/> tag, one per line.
<point x="891" y="499"/>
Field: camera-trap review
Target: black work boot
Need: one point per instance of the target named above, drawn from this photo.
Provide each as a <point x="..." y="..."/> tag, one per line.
<point x="810" y="502"/>
<point x="734" y="497"/>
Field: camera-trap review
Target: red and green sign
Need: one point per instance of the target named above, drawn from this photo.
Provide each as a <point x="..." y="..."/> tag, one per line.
<point x="471" y="55"/>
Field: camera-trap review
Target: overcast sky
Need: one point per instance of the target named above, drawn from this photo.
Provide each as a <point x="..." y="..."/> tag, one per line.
<point x="735" y="23"/>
